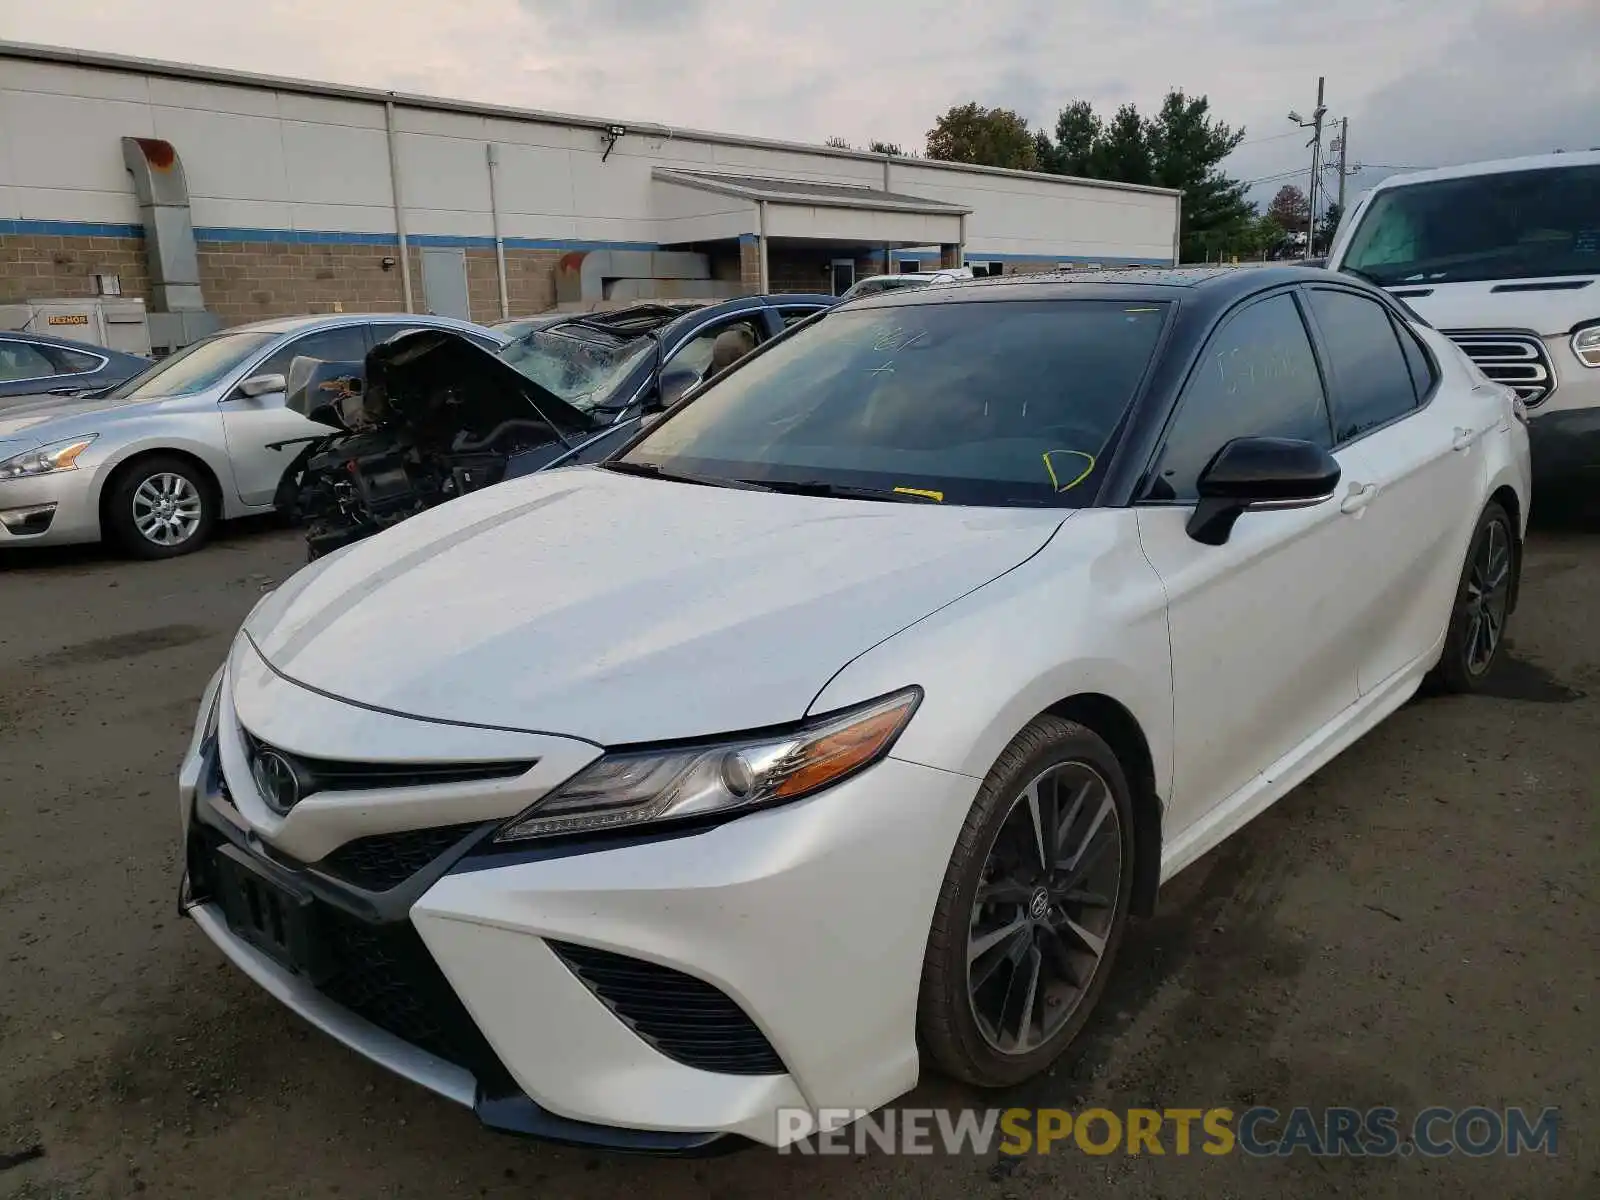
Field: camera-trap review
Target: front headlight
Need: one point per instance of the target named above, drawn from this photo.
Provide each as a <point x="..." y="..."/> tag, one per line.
<point x="42" y="460"/>
<point x="1586" y="344"/>
<point x="727" y="778"/>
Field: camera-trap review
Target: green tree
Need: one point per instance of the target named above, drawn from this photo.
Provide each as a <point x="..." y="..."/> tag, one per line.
<point x="1123" y="151"/>
<point x="1187" y="148"/>
<point x="1078" y="131"/>
<point x="1183" y="146"/>
<point x="991" y="137"/>
<point x="890" y="148"/>
<point x="1327" y="227"/>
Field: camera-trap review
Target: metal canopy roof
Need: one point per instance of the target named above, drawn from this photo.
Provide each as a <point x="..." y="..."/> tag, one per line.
<point x="807" y="192"/>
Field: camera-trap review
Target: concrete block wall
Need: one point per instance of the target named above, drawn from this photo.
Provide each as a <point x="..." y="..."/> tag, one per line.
<point x="43" y="267"/>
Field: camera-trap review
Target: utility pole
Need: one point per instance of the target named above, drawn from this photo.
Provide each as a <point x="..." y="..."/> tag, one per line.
<point x="1344" y="158"/>
<point x="1315" y="125"/>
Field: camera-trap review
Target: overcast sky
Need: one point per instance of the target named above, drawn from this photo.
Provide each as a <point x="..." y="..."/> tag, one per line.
<point x="1424" y="82"/>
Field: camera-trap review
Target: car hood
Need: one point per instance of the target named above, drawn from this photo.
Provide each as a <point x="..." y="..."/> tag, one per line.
<point x="36" y="421"/>
<point x="438" y="385"/>
<point x="624" y="610"/>
<point x="1550" y="311"/>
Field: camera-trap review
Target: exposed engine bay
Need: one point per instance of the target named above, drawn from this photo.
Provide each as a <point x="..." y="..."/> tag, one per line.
<point x="428" y="417"/>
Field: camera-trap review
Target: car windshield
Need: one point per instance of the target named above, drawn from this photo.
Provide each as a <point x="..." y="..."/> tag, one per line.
<point x="196" y="367"/>
<point x="579" y="363"/>
<point x="1500" y="226"/>
<point x="993" y="403"/>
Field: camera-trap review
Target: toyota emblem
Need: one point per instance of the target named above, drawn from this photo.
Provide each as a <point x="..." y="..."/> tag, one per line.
<point x="275" y="779"/>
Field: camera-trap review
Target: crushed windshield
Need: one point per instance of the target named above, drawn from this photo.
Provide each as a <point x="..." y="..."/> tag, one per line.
<point x="996" y="403"/>
<point x="1513" y="225"/>
<point x="579" y="363"/>
<point x="194" y="368"/>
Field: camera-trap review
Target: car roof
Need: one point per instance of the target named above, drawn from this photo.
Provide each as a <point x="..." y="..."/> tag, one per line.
<point x="1495" y="166"/>
<point x="299" y="324"/>
<point x="1221" y="284"/>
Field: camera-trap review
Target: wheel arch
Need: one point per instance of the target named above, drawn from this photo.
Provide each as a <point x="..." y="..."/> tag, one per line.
<point x="1506" y="496"/>
<point x="207" y="475"/>
<point x="1120" y="729"/>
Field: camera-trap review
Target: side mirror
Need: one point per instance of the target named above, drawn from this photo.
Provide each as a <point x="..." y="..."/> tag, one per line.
<point x="1259" y="473"/>
<point x="263" y="385"/>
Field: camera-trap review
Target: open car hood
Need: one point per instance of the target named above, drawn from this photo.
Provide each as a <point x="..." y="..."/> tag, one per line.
<point x="435" y="383"/>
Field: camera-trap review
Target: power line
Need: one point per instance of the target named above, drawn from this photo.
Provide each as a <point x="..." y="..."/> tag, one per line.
<point x="1277" y="137"/>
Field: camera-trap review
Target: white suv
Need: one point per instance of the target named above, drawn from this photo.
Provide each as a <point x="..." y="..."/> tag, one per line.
<point x="1504" y="258"/>
<point x="874" y="284"/>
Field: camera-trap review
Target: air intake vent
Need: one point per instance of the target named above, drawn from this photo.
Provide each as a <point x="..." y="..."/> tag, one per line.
<point x="386" y="860"/>
<point x="685" y="1018"/>
<point x="1518" y="360"/>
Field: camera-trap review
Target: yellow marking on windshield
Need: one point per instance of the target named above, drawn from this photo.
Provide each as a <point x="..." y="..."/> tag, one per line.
<point x="939" y="496"/>
<point x="1055" y="481"/>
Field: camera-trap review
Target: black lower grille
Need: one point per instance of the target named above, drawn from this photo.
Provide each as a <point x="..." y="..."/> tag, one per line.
<point x="378" y="969"/>
<point x="387" y="860"/>
<point x="687" y="1019"/>
<point x="385" y="974"/>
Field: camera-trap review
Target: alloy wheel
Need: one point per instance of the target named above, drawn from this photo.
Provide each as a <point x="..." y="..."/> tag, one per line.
<point x="167" y="509"/>
<point x="1488" y="597"/>
<point x="1045" y="908"/>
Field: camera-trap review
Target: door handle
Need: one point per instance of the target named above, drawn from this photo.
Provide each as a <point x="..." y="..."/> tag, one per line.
<point x="1359" y="496"/>
<point x="1463" y="438"/>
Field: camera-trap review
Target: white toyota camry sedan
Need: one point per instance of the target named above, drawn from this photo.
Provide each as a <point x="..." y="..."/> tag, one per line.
<point x="834" y="729"/>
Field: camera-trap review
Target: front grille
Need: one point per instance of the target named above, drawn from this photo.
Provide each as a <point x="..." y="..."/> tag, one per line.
<point x="687" y="1019"/>
<point x="386" y="860"/>
<point x="338" y="775"/>
<point x="1518" y="360"/>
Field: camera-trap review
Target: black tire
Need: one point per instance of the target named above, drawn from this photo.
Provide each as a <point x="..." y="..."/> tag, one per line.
<point x="1462" y="666"/>
<point x="192" y="493"/>
<point x="947" y="1016"/>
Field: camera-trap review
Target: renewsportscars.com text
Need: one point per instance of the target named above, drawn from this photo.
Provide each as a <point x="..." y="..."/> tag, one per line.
<point x="1259" y="1132"/>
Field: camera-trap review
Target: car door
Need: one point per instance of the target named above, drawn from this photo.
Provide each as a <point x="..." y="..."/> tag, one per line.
<point x="25" y="368"/>
<point x="1418" y="444"/>
<point x="1263" y="645"/>
<point x="252" y="424"/>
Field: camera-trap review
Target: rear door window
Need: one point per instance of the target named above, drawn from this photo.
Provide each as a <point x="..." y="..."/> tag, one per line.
<point x="1373" y="383"/>
<point x="23" y="360"/>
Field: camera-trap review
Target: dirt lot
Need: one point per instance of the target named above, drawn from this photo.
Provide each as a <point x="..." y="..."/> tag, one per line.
<point x="1417" y="925"/>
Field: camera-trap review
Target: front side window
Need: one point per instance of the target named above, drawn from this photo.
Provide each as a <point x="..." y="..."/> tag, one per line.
<point x="1510" y="225"/>
<point x="1257" y="377"/>
<point x="1009" y="403"/>
<point x="696" y="353"/>
<point x="23" y="360"/>
<point x="196" y="367"/>
<point x="348" y="343"/>
<point x="1373" y="382"/>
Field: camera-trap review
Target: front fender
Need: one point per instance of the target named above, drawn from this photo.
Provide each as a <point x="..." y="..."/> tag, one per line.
<point x="195" y="434"/>
<point x="1085" y="615"/>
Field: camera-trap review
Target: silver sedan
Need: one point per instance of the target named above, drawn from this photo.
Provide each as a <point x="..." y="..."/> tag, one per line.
<point x="153" y="463"/>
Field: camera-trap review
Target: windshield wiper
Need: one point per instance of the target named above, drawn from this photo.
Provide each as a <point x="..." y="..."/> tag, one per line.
<point x="845" y="491"/>
<point x="652" y="471"/>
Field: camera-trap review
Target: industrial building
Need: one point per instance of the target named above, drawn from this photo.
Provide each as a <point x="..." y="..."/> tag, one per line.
<point x="220" y="197"/>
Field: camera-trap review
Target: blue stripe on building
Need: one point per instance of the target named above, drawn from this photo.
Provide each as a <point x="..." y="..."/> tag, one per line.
<point x="327" y="237"/>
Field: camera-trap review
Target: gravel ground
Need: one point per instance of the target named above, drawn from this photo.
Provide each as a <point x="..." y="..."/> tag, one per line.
<point x="1416" y="925"/>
